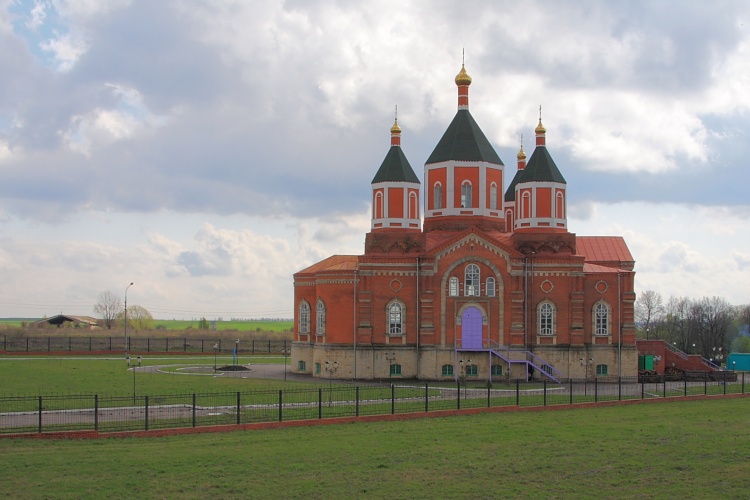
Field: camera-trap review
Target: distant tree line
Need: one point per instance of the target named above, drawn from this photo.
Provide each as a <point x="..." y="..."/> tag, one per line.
<point x="709" y="326"/>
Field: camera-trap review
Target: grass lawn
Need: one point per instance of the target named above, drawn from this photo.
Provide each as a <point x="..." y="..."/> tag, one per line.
<point x="676" y="449"/>
<point x="39" y="375"/>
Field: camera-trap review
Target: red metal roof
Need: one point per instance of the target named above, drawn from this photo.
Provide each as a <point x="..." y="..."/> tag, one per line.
<point x="598" y="249"/>
<point x="334" y="263"/>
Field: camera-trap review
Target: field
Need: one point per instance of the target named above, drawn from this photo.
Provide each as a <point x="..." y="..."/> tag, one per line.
<point x="680" y="449"/>
<point x="173" y="324"/>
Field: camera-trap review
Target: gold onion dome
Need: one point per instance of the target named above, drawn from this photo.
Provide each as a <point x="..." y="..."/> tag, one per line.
<point x="521" y="155"/>
<point x="395" y="129"/>
<point x="540" y="128"/>
<point x="463" y="78"/>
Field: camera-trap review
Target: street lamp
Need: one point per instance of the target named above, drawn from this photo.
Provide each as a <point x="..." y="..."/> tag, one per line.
<point x="390" y="357"/>
<point x="718" y="357"/>
<point x="140" y="360"/>
<point x="330" y="370"/>
<point x="287" y="351"/>
<point x="647" y="330"/>
<point x="693" y="348"/>
<point x="462" y="376"/>
<point x="126" y="318"/>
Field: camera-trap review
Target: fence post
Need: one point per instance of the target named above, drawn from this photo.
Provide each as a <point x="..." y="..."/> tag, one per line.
<point x="393" y="399"/>
<point x="281" y="404"/>
<point x="356" y="399"/>
<point x="705" y="383"/>
<point x="269" y="347"/>
<point x="489" y="389"/>
<point x="96" y="412"/>
<point x="320" y="402"/>
<point x="252" y="344"/>
<point x="49" y="342"/>
<point x="643" y="388"/>
<point x="238" y="407"/>
<point x="725" y="383"/>
<point x="596" y="390"/>
<point x="518" y="393"/>
<point x="146" y="407"/>
<point x="202" y="346"/>
<point x="167" y="345"/>
<point x="544" y="392"/>
<point x="90" y="349"/>
<point x="184" y="345"/>
<point x="148" y="344"/>
<point x="27" y="344"/>
<point x="426" y="398"/>
<point x="40" y="414"/>
<point x="685" y="385"/>
<point x="743" y="382"/>
<point x="458" y="394"/>
<point x="570" y="382"/>
<point x="194" y="422"/>
<point x="619" y="388"/>
<point x="664" y="386"/>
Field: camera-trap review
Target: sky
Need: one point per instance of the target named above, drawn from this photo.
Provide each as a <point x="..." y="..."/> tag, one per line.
<point x="206" y="150"/>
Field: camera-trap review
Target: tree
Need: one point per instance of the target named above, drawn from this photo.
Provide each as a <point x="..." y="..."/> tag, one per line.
<point x="107" y="307"/>
<point x="741" y="344"/>
<point x="138" y="318"/>
<point x="648" y="307"/>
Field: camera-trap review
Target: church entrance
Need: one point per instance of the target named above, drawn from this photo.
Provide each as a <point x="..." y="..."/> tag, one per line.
<point x="471" y="328"/>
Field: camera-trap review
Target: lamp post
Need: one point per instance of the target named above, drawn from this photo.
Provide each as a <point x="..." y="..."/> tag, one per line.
<point x="216" y="350"/>
<point x="462" y="376"/>
<point x="390" y="357"/>
<point x="126" y="319"/>
<point x="330" y="370"/>
<point x="693" y="349"/>
<point x="647" y="330"/>
<point x="287" y="351"/>
<point x="718" y="357"/>
<point x="140" y="360"/>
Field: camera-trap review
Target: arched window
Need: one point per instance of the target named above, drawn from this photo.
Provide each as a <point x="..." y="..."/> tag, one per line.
<point x="508" y="220"/>
<point x="453" y="286"/>
<point x="493" y="196"/>
<point x="560" y="205"/>
<point x="304" y="317"/>
<point x="546" y="319"/>
<point x="378" y="205"/>
<point x="437" y="196"/>
<point x="471" y="281"/>
<point x="525" y="205"/>
<point x="490" y="288"/>
<point x="466" y="196"/>
<point x="320" y="317"/>
<point x="395" y="319"/>
<point x="601" y="319"/>
<point x="413" y="206"/>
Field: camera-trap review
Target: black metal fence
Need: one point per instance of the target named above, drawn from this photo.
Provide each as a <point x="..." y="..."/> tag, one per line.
<point x="138" y="344"/>
<point x="38" y="414"/>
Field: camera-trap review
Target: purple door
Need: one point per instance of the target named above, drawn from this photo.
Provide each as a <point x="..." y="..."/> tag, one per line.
<point x="471" y="328"/>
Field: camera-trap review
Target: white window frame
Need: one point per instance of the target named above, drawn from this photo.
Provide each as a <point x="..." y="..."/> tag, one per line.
<point x="466" y="195"/>
<point x="320" y="318"/>
<point x="601" y="319"/>
<point x="472" y="281"/>
<point x="453" y="286"/>
<point x="437" y="196"/>
<point x="395" y="318"/>
<point x="304" y="317"/>
<point x="489" y="288"/>
<point x="546" y="319"/>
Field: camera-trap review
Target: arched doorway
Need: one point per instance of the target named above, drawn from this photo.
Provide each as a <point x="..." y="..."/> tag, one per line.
<point x="471" y="328"/>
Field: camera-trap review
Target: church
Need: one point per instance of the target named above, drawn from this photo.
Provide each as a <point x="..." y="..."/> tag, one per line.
<point x="485" y="283"/>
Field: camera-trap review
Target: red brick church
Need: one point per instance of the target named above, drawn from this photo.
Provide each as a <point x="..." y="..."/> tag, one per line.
<point x="491" y="285"/>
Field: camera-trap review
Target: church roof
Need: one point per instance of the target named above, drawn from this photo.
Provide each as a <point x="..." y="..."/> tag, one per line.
<point x="464" y="141"/>
<point x="395" y="168"/>
<point x="603" y="250"/>
<point x="333" y="263"/>
<point x="541" y="168"/>
<point x="510" y="194"/>
<point x="435" y="240"/>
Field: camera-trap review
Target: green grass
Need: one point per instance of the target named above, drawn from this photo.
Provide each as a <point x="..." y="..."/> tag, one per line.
<point x="235" y="325"/>
<point x="110" y="375"/>
<point x="693" y="449"/>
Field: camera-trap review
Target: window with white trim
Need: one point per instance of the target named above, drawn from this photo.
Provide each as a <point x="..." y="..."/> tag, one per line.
<point x="493" y="196"/>
<point x="471" y="281"/>
<point x="453" y="286"/>
<point x="466" y="195"/>
<point x="395" y="319"/>
<point x="490" y="287"/>
<point x="546" y="319"/>
<point x="437" y="196"/>
<point x="601" y="319"/>
<point x="304" y="317"/>
<point x="320" y="318"/>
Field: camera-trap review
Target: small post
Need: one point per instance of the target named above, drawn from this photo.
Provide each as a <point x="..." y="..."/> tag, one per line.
<point x="596" y="390"/>
<point x="426" y="397"/>
<point x="570" y="392"/>
<point x="238" y="407"/>
<point x="281" y="404"/>
<point x="356" y="400"/>
<point x="458" y="394"/>
<point x="146" y="407"/>
<point x="40" y="414"/>
<point x="619" y="388"/>
<point x="393" y="399"/>
<point x="518" y="393"/>
<point x="320" y="403"/>
<point x="544" y="385"/>
<point x="194" y="419"/>
<point x="96" y="412"/>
